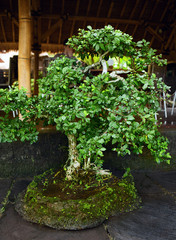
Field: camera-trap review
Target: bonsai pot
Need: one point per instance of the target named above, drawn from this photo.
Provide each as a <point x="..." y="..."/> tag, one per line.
<point x="53" y="201"/>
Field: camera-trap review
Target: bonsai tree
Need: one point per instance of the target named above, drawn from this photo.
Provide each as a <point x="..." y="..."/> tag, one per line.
<point x="93" y="110"/>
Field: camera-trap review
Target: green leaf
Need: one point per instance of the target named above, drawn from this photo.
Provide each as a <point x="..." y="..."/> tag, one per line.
<point x="85" y="113"/>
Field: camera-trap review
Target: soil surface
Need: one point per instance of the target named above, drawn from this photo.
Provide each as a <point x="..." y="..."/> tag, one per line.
<point x="156" y="220"/>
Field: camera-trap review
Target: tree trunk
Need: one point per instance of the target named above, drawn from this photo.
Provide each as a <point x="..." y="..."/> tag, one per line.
<point x="74" y="163"/>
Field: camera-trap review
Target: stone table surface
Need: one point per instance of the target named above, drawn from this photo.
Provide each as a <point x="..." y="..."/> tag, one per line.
<point x="155" y="220"/>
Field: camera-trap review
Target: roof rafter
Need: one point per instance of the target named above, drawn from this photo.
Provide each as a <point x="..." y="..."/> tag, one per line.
<point x="122" y="12"/>
<point x="140" y="16"/>
<point x="60" y="29"/>
<point x="87" y="13"/>
<point x="98" y="12"/>
<point x="3" y="30"/>
<point x="51" y="30"/>
<point x="110" y="20"/>
<point x="13" y="28"/>
<point x="151" y="30"/>
<point x="132" y="13"/>
<point x="49" y="23"/>
<point x="154" y="33"/>
<point x="39" y="30"/>
<point x="123" y="9"/>
<point x="170" y="36"/>
<point x="11" y="17"/>
<point x="154" y="8"/>
<point x="103" y="19"/>
<point x="173" y="44"/>
<point x="76" y="12"/>
<point x="161" y="19"/>
<point x="110" y="11"/>
<point x="13" y="32"/>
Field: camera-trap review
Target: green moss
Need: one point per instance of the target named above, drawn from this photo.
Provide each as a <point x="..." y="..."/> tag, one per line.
<point x="77" y="204"/>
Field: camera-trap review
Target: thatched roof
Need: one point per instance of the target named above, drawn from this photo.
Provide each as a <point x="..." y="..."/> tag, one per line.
<point x="56" y="20"/>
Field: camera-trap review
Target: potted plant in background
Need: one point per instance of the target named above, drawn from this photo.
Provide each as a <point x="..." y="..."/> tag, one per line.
<point x="91" y="111"/>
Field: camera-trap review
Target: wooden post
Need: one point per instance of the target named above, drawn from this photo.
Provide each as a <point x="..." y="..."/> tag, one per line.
<point x="36" y="69"/>
<point x="24" y="57"/>
<point x="36" y="44"/>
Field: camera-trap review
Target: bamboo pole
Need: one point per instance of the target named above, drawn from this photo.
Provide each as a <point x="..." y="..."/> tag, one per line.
<point x="24" y="57"/>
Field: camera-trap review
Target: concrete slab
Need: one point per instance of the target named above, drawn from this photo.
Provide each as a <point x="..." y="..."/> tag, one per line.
<point x="156" y="220"/>
<point x="18" y="186"/>
<point x="13" y="227"/>
<point x="4" y="187"/>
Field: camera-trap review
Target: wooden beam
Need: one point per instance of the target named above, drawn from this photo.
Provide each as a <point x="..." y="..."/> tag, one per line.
<point x="52" y="47"/>
<point x="24" y="57"/>
<point x="8" y="46"/>
<point x="102" y="19"/>
<point x="3" y="30"/>
<point x="51" y="30"/>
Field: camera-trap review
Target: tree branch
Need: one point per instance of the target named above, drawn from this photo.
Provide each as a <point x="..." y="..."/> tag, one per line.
<point x="95" y="64"/>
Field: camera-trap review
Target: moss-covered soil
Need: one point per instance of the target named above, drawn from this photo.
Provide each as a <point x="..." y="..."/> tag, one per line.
<point x="86" y="202"/>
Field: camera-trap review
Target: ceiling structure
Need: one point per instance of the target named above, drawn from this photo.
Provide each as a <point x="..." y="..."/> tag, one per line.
<point x="56" y="20"/>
